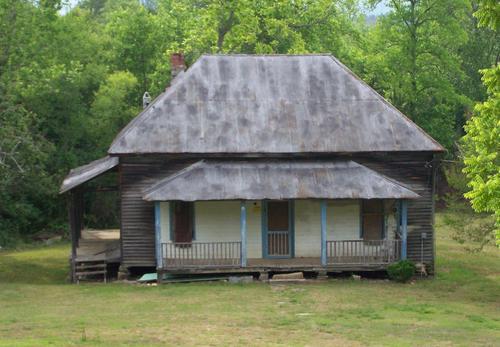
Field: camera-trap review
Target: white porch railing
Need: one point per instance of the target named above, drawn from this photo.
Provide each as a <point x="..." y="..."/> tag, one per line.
<point x="201" y="254"/>
<point x="363" y="251"/>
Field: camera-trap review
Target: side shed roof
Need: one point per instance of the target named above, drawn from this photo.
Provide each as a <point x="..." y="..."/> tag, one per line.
<point x="87" y="172"/>
<point x="276" y="179"/>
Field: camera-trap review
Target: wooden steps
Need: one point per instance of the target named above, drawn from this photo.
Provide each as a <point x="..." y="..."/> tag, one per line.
<point x="83" y="269"/>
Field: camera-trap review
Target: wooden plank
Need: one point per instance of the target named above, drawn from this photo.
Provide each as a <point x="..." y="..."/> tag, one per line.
<point x="94" y="266"/>
<point x="87" y="273"/>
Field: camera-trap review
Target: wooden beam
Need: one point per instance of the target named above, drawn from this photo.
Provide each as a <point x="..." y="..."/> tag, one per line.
<point x="102" y="189"/>
<point x="404" y="228"/>
<point x="323" y="233"/>
<point x="158" y="240"/>
<point x="243" y="232"/>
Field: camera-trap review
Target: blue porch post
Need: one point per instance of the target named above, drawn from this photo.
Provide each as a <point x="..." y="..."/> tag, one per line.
<point x="243" y="232"/>
<point x="159" y="260"/>
<point x="323" y="233"/>
<point x="404" y="228"/>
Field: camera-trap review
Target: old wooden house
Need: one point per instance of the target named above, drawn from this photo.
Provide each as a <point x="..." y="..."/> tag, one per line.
<point x="266" y="163"/>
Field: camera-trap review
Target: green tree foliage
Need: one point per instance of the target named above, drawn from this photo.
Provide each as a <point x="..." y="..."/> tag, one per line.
<point x="414" y="62"/>
<point x="488" y="14"/>
<point x="482" y="150"/>
<point x="70" y="81"/>
<point x="481" y="50"/>
<point x="482" y="141"/>
<point x="110" y="109"/>
<point x="24" y="182"/>
<point x="468" y="228"/>
<point x="131" y="42"/>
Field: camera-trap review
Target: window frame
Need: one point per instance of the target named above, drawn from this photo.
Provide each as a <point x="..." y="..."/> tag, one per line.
<point x="171" y="211"/>
<point x="383" y="233"/>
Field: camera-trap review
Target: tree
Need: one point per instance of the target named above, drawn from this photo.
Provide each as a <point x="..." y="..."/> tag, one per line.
<point x="112" y="109"/>
<point x="132" y="45"/>
<point x="24" y="182"/>
<point x="482" y="139"/>
<point x="413" y="60"/>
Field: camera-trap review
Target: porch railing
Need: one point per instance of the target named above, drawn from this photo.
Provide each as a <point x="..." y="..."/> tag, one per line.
<point x="201" y="254"/>
<point x="363" y="251"/>
<point x="278" y="243"/>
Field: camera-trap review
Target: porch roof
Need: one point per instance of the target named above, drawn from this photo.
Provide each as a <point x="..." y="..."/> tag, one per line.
<point x="276" y="179"/>
<point x="87" y="172"/>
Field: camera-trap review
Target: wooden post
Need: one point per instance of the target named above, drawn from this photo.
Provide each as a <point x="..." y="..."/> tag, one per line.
<point x="404" y="228"/>
<point x="72" y="229"/>
<point x="243" y="232"/>
<point x="159" y="258"/>
<point x="75" y="213"/>
<point x="323" y="233"/>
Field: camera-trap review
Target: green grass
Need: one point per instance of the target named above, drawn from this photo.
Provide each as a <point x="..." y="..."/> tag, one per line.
<point x="459" y="307"/>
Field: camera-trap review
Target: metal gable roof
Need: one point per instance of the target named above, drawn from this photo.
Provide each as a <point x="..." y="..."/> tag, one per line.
<point x="270" y="104"/>
<point x="276" y="179"/>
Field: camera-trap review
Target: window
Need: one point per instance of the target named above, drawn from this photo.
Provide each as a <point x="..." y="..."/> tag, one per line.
<point x="182" y="221"/>
<point x="372" y="219"/>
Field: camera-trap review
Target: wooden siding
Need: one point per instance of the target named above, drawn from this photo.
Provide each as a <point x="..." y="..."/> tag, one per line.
<point x="220" y="221"/>
<point x="342" y="224"/>
<point x="137" y="215"/>
<point x="416" y="172"/>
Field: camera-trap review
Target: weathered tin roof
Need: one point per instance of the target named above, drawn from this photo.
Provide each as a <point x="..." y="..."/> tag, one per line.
<point x="276" y="179"/>
<point x="86" y="172"/>
<point x="270" y="104"/>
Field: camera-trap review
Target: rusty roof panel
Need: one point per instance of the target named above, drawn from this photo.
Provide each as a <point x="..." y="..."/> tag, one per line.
<point x="270" y="104"/>
<point x="276" y="179"/>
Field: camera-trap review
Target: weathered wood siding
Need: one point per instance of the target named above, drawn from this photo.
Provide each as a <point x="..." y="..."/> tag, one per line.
<point x="137" y="215"/>
<point x="415" y="170"/>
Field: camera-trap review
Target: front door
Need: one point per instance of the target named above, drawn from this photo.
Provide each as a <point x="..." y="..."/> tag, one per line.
<point x="278" y="231"/>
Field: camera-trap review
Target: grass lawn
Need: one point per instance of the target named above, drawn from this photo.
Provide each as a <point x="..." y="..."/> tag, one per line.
<point x="459" y="307"/>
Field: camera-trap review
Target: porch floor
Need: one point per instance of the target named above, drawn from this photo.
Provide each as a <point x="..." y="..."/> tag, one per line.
<point x="255" y="265"/>
<point x="285" y="262"/>
<point x="99" y="245"/>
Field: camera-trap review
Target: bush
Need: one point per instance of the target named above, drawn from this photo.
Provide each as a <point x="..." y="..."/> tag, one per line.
<point x="401" y="271"/>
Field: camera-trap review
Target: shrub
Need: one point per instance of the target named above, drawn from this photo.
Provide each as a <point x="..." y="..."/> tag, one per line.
<point x="401" y="271"/>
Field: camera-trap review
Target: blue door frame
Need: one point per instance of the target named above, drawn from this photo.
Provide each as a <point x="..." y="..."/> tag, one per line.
<point x="291" y="231"/>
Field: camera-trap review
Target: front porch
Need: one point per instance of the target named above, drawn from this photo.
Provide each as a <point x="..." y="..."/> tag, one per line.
<point x="278" y="215"/>
<point x="323" y="236"/>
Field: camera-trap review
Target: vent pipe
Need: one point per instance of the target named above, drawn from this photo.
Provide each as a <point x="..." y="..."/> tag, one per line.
<point x="146" y="100"/>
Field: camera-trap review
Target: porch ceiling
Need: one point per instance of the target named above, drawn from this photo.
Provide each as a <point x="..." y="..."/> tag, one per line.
<point x="276" y="179"/>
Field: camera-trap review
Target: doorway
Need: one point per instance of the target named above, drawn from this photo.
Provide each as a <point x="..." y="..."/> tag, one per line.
<point x="277" y="229"/>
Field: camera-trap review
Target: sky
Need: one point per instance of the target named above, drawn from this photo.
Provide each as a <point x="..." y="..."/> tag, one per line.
<point x="381" y="8"/>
